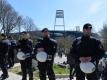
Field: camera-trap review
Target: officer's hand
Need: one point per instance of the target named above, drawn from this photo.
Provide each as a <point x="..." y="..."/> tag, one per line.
<point x="85" y="59"/>
<point x="82" y="59"/>
<point x="25" y="57"/>
<point x="40" y="49"/>
<point x="19" y="50"/>
<point x="88" y="59"/>
<point x="67" y="66"/>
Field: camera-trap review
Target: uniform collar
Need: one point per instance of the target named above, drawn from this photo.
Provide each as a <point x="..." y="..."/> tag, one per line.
<point x="46" y="38"/>
<point x="85" y="38"/>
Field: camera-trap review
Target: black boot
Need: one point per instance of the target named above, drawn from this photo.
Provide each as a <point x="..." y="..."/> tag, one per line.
<point x="4" y="76"/>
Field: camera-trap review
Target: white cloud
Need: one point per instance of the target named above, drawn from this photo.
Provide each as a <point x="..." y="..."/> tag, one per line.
<point x="96" y="6"/>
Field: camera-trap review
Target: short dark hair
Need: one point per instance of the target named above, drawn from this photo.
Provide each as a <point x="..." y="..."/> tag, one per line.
<point x="9" y="36"/>
<point x="87" y="26"/>
<point x="44" y="29"/>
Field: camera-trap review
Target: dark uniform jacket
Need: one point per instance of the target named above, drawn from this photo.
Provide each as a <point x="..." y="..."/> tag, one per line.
<point x="12" y="46"/>
<point x="87" y="46"/>
<point x="25" y="45"/>
<point x="3" y="48"/>
<point x="49" y="45"/>
<point x="3" y="52"/>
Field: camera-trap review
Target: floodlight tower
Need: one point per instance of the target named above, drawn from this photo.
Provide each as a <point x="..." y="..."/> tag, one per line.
<point x="60" y="24"/>
<point x="59" y="15"/>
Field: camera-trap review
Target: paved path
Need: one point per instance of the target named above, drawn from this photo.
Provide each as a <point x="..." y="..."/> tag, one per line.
<point x="12" y="76"/>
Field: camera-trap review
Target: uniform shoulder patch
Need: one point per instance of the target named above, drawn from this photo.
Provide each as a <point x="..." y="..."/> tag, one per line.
<point x="53" y="40"/>
<point x="94" y="38"/>
<point x="30" y="40"/>
<point x="78" y="38"/>
<point x="7" y="42"/>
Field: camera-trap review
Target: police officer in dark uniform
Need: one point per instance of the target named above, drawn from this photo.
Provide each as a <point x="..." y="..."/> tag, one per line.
<point x="3" y="54"/>
<point x="71" y="62"/>
<point x="104" y="74"/>
<point x="11" y="52"/>
<point x="49" y="46"/>
<point x="25" y="45"/>
<point x="85" y="49"/>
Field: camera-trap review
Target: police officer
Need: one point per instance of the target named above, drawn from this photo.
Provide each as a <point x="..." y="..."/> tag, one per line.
<point x="11" y="52"/>
<point x="3" y="54"/>
<point x="85" y="49"/>
<point x="71" y="62"/>
<point x="104" y="74"/>
<point x="49" y="46"/>
<point x="25" y="46"/>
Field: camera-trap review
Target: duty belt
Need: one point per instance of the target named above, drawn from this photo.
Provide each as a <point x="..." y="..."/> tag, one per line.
<point x="49" y="57"/>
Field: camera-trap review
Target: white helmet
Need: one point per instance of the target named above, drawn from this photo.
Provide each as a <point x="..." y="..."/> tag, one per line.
<point x="41" y="56"/>
<point x="21" y="56"/>
<point x="87" y="67"/>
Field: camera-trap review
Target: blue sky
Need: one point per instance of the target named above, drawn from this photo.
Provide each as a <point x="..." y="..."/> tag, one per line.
<point x="76" y="12"/>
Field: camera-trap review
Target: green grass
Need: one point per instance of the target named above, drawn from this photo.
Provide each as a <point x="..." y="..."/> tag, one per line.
<point x="60" y="70"/>
<point x="15" y="69"/>
<point x="57" y="70"/>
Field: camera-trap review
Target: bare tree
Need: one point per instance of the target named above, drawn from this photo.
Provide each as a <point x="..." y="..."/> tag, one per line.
<point x="29" y="24"/>
<point x="19" y="24"/>
<point x="2" y="10"/>
<point x="10" y="20"/>
<point x="7" y="13"/>
<point x="104" y="36"/>
<point x="64" y="44"/>
<point x="2" y="3"/>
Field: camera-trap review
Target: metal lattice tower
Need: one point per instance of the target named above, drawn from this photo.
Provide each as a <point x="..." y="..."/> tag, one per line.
<point x="59" y="15"/>
<point x="60" y="23"/>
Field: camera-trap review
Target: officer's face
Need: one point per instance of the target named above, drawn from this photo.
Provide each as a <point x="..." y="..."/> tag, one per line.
<point x="45" y="33"/>
<point x="25" y="36"/>
<point x="87" y="32"/>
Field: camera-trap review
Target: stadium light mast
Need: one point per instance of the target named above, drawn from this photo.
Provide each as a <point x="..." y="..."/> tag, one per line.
<point x="59" y="15"/>
<point x="60" y="23"/>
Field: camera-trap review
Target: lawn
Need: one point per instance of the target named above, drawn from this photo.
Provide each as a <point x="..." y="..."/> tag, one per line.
<point x="57" y="69"/>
